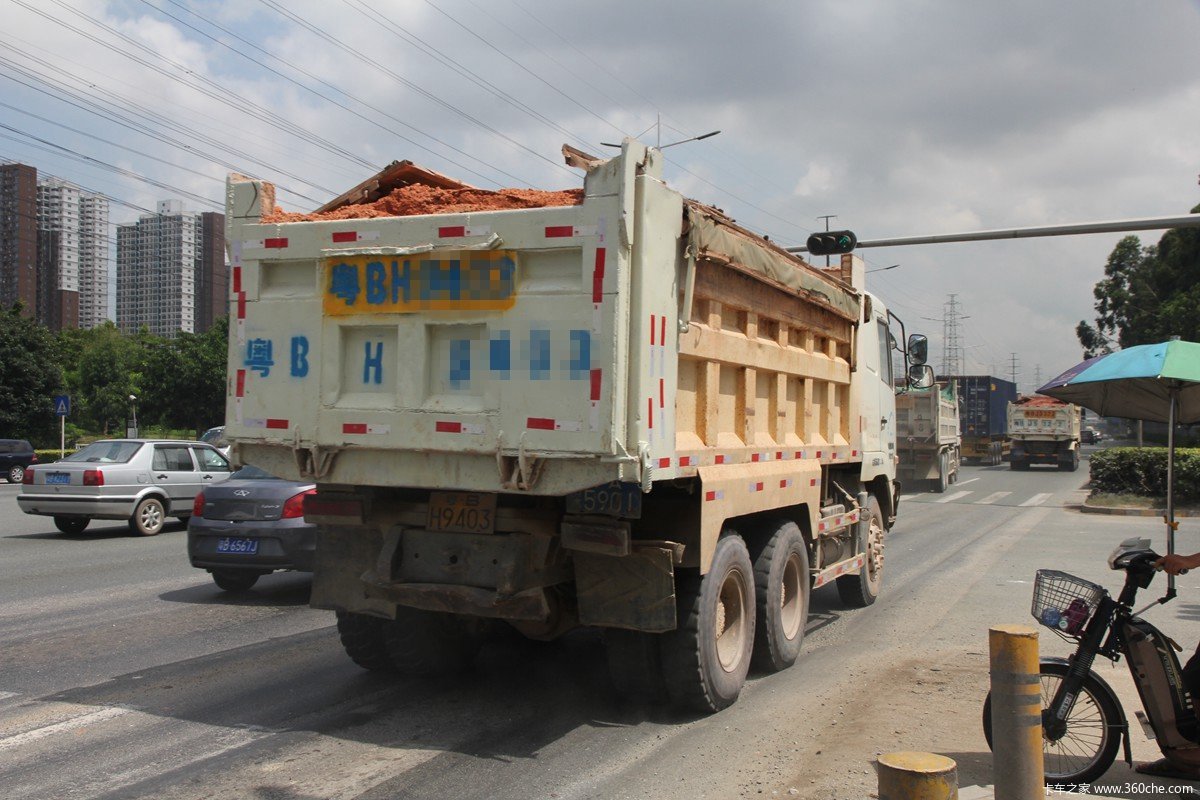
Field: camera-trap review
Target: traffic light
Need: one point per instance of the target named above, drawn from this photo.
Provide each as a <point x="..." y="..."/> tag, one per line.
<point x="829" y="243"/>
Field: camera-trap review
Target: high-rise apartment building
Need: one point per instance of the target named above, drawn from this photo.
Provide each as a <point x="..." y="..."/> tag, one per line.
<point x="18" y="237"/>
<point x="93" y="260"/>
<point x="74" y="287"/>
<point x="212" y="275"/>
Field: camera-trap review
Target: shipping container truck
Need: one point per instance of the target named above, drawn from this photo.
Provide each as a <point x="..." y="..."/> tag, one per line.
<point x="983" y="421"/>
<point x="927" y="436"/>
<point x="624" y="412"/>
<point x="1044" y="430"/>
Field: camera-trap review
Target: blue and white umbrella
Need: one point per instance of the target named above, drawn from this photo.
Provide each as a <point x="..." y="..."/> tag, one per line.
<point x="1156" y="382"/>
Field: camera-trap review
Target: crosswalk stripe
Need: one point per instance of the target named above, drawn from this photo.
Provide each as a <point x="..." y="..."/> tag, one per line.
<point x="952" y="497"/>
<point x="59" y="727"/>
<point x="1037" y="499"/>
<point x="991" y="498"/>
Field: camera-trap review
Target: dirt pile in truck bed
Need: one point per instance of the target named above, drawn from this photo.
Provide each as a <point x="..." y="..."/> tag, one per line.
<point x="416" y="198"/>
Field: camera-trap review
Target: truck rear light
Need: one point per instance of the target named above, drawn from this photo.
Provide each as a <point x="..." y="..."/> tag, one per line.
<point x="294" y="507"/>
<point x="93" y="477"/>
<point x="198" y="506"/>
<point x="27" y="478"/>
<point x="336" y="508"/>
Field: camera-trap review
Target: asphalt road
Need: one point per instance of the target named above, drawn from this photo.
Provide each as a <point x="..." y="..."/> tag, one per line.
<point x="125" y="673"/>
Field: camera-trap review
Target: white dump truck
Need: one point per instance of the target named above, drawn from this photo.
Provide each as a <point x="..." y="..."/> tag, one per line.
<point x="1044" y="430"/>
<point x="627" y="413"/>
<point x="927" y="436"/>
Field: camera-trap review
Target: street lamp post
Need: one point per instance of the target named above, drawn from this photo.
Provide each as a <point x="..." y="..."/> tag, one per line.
<point x="132" y="432"/>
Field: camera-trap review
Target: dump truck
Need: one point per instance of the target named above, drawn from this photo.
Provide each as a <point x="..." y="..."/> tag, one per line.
<point x="1044" y="430"/>
<point x="983" y="402"/>
<point x="620" y="410"/>
<point x="927" y="436"/>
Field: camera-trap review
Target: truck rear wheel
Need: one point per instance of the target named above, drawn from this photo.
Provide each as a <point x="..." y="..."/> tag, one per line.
<point x="781" y="589"/>
<point x="943" y="478"/>
<point x="426" y="643"/>
<point x="634" y="664"/>
<point x="860" y="591"/>
<point x="706" y="658"/>
<point x="362" y="639"/>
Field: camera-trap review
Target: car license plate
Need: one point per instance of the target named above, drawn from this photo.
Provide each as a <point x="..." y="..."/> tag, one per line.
<point x="231" y="545"/>
<point x="462" y="512"/>
<point x="58" y="478"/>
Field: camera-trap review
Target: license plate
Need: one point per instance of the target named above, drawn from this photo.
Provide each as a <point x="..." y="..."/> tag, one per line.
<point x="614" y="499"/>
<point x="462" y="512"/>
<point x="231" y="545"/>
<point x="58" y="478"/>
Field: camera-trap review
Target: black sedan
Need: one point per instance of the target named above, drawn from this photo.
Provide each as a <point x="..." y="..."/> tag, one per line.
<point x="249" y="526"/>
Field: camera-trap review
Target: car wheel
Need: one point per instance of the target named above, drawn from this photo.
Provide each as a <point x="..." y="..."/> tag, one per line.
<point x="148" y="517"/>
<point x="234" y="580"/>
<point x="71" y="525"/>
<point x="16" y="473"/>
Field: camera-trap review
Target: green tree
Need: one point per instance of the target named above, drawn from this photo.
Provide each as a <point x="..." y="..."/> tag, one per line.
<point x="30" y="376"/>
<point x="1148" y="293"/>
<point x="110" y="369"/>
<point x="185" y="380"/>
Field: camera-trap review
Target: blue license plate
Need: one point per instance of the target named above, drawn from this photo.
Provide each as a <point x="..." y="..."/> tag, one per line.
<point x="231" y="545"/>
<point x="58" y="478"/>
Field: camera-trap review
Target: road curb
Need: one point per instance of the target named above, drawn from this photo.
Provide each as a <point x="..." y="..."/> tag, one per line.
<point x="1087" y="508"/>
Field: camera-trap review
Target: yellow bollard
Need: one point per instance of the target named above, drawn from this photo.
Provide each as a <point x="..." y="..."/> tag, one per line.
<point x="917" y="776"/>
<point x="1017" y="768"/>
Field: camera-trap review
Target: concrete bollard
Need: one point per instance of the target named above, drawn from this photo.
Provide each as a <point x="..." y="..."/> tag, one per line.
<point x="1017" y="768"/>
<point x="917" y="776"/>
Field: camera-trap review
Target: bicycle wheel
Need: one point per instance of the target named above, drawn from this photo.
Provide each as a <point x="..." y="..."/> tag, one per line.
<point x="1092" y="735"/>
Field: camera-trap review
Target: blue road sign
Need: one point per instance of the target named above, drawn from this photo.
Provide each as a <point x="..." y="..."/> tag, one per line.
<point x="62" y="404"/>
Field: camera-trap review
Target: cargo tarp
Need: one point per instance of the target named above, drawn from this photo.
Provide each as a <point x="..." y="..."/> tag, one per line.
<point x="715" y="237"/>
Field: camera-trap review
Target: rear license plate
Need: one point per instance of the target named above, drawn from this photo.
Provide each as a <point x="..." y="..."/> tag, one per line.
<point x="58" y="478"/>
<point x="462" y="512"/>
<point x="614" y="499"/>
<point x="231" y="545"/>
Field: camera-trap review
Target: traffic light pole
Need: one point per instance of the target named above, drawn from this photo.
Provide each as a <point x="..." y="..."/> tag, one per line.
<point x="1111" y="226"/>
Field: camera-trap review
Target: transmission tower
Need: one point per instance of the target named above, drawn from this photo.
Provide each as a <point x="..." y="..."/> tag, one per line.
<point x="1012" y="369"/>
<point x="951" y="351"/>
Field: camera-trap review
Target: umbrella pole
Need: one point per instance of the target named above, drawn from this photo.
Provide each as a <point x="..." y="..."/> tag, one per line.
<point x="1171" y="485"/>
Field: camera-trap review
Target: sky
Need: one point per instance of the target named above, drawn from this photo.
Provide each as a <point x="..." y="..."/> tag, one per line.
<point x="900" y="118"/>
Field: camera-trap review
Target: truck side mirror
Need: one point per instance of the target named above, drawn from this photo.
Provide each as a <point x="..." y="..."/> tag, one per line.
<point x="918" y="348"/>
<point x="920" y="376"/>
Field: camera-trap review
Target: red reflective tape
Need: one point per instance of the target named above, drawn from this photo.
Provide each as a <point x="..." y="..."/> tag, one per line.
<point x="354" y="427"/>
<point x="540" y="423"/>
<point x="720" y="459"/>
<point x="560" y="231"/>
<point x="597" y="376"/>
<point x="237" y="279"/>
<point x="710" y="495"/>
<point x="598" y="276"/>
<point x="650" y="406"/>
<point x="685" y="461"/>
<point x="812" y="482"/>
<point x="818" y="454"/>
<point x="241" y="312"/>
<point x="280" y="241"/>
<point x="240" y="391"/>
<point x="448" y="427"/>
<point x="778" y="456"/>
<point x="758" y="487"/>
<point x="277" y="424"/>
<point x="783" y="484"/>
<point x="854" y="454"/>
<point x="662" y="402"/>
<point x="663" y="463"/>
<point x="452" y="231"/>
<point x="754" y="457"/>
<point x="662" y="330"/>
<point x="652" y="330"/>
<point x="345" y="236"/>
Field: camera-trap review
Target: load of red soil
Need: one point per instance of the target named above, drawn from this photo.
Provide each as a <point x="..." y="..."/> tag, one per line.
<point x="418" y="198"/>
<point x="1039" y="401"/>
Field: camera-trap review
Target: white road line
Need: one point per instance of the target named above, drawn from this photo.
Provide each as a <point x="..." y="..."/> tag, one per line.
<point x="964" y="483"/>
<point x="950" y="498"/>
<point x="991" y="498"/>
<point x="60" y="727"/>
<point x="6" y="695"/>
<point x="1037" y="499"/>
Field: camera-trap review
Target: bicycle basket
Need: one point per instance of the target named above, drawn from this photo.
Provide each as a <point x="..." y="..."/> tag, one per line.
<point x="1064" y="603"/>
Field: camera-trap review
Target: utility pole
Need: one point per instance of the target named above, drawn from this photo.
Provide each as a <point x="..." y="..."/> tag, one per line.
<point x="1037" y="376"/>
<point x="1012" y="370"/>
<point x="827" y="217"/>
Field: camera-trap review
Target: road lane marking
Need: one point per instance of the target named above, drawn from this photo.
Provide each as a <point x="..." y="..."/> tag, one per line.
<point x="964" y="483"/>
<point x="991" y="498"/>
<point x="952" y="497"/>
<point x="6" y="695"/>
<point x="61" y="727"/>
<point x="1037" y="499"/>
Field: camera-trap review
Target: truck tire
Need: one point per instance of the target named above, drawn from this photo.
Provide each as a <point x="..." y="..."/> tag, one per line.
<point x="635" y="665"/>
<point x="425" y="643"/>
<point x="362" y="639"/>
<point x="781" y="592"/>
<point x="861" y="590"/>
<point x="706" y="658"/>
<point x="943" y="479"/>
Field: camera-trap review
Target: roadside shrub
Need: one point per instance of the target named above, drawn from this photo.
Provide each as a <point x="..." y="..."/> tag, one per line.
<point x="1143" y="472"/>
